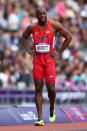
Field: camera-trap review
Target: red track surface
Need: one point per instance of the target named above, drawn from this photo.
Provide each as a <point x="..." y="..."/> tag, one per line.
<point x="46" y="127"/>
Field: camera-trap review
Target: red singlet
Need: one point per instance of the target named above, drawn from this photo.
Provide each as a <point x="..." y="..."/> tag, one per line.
<point x="43" y="65"/>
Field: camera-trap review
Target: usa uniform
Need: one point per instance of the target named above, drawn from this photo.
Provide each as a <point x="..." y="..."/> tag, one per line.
<point x="43" y="64"/>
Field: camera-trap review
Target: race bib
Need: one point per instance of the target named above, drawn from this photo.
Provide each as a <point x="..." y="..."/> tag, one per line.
<point x="42" y="47"/>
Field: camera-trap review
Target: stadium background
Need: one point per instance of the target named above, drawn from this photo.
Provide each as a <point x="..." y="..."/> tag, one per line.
<point x="16" y="82"/>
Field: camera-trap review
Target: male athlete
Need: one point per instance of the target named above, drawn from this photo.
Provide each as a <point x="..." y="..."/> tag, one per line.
<point x="43" y="58"/>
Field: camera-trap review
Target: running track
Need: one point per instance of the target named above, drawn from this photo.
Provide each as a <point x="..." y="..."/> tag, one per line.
<point x="47" y="127"/>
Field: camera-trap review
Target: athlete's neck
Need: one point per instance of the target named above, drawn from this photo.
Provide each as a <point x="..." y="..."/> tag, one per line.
<point x="42" y="25"/>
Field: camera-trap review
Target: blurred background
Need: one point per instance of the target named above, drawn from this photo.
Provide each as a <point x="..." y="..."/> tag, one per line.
<point x="16" y="82"/>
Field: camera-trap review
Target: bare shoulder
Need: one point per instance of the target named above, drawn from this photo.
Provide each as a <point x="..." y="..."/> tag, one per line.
<point x="56" y="25"/>
<point x="28" y="31"/>
<point x="30" y="28"/>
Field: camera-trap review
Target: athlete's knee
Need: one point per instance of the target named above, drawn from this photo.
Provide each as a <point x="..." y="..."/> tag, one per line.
<point x="38" y="86"/>
<point x="38" y="89"/>
<point x="51" y="90"/>
<point x="51" y="86"/>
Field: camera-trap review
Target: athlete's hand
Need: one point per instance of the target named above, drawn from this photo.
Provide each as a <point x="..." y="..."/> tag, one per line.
<point x="54" y="54"/>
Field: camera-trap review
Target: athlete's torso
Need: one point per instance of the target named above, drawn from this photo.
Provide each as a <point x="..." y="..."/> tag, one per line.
<point x="43" y="44"/>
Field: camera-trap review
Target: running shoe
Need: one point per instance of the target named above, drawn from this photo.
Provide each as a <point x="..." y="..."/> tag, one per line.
<point x="39" y="122"/>
<point x="52" y="115"/>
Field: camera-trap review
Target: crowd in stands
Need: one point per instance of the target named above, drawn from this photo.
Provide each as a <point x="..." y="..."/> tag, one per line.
<point x="16" y="63"/>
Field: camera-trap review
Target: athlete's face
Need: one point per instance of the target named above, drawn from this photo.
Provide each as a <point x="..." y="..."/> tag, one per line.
<point x="42" y="16"/>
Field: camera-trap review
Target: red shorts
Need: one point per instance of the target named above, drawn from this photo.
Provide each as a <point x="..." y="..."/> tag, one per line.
<point x="47" y="72"/>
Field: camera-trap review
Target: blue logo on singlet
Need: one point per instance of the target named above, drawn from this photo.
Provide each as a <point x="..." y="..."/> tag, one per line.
<point x="42" y="38"/>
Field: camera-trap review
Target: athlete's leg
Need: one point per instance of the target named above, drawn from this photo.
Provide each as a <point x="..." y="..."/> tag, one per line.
<point x="38" y="96"/>
<point x="50" y="83"/>
<point x="52" y="96"/>
<point x="38" y="74"/>
<point x="51" y="93"/>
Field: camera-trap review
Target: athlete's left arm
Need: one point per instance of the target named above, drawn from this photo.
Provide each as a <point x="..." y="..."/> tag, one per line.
<point x="63" y="32"/>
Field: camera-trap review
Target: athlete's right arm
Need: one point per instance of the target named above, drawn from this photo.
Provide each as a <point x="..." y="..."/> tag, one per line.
<point x="28" y="31"/>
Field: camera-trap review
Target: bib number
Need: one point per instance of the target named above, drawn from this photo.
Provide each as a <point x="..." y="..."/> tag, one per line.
<point x="42" y="48"/>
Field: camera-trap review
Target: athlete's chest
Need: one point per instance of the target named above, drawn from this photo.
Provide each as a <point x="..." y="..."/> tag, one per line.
<point x="42" y="35"/>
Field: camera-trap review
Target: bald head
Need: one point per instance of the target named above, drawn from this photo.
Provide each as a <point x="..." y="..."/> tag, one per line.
<point x="41" y="8"/>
